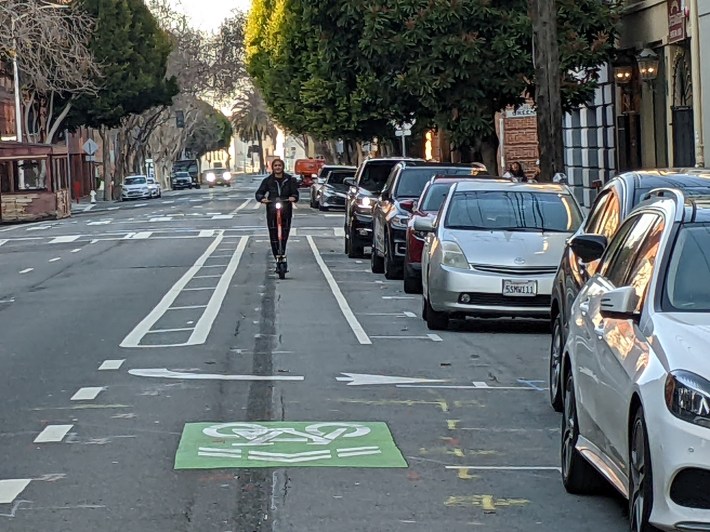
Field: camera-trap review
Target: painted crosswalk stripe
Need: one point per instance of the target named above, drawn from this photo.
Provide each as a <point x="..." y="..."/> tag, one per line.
<point x="55" y="259"/>
<point x="222" y="216"/>
<point x="101" y="222"/>
<point x="77" y="250"/>
<point x="87" y="394"/>
<point x="142" y="235"/>
<point x="111" y="364"/>
<point x="161" y="219"/>
<point x="53" y="433"/>
<point x="206" y="233"/>
<point x="26" y="270"/>
<point x="64" y="239"/>
<point x="11" y="488"/>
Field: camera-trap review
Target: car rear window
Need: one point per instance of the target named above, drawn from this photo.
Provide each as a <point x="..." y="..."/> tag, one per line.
<point x="513" y="211"/>
<point x="413" y="180"/>
<point x="336" y="178"/>
<point x="135" y="181"/>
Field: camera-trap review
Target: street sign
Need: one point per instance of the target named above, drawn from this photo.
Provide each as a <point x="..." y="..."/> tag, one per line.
<point x="301" y="444"/>
<point x="90" y="147"/>
<point x="90" y="158"/>
<point x="403" y="132"/>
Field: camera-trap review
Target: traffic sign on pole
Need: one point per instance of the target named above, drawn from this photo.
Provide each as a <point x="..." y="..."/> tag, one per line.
<point x="90" y="147"/>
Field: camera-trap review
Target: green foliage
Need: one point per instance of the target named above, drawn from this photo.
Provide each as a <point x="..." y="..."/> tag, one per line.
<point x="330" y="68"/>
<point x="212" y="132"/>
<point x="133" y="53"/>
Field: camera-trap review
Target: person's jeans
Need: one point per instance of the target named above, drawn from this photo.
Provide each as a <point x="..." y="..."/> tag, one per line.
<point x="274" y="232"/>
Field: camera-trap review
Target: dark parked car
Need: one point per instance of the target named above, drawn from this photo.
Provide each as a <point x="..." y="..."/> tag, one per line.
<point x="181" y="180"/>
<point x="334" y="191"/>
<point x="391" y="211"/>
<point x="365" y="187"/>
<point x="614" y="202"/>
<point x="315" y="189"/>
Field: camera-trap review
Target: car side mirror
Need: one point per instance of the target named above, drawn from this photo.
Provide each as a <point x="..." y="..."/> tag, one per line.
<point x="350" y="181"/>
<point x="588" y="247"/>
<point x="619" y="304"/>
<point x="424" y="225"/>
<point x="407" y="205"/>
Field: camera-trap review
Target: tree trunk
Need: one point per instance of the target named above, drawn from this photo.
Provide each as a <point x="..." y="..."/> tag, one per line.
<point x="262" y="167"/>
<point x="489" y="153"/>
<point x="106" y="149"/>
<point x="444" y="146"/>
<point x="543" y="14"/>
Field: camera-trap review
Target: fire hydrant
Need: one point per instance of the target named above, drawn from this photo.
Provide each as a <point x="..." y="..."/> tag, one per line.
<point x="93" y="196"/>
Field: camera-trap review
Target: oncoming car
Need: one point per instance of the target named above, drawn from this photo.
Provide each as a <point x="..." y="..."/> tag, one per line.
<point x="494" y="248"/>
<point x="218" y="176"/>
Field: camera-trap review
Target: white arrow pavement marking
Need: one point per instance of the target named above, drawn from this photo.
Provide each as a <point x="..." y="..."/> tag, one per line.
<point x="359" y="379"/>
<point x="164" y="373"/>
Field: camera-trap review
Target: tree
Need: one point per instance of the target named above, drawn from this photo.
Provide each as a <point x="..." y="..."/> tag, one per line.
<point x="251" y="120"/>
<point x="54" y="61"/>
<point x="212" y="131"/>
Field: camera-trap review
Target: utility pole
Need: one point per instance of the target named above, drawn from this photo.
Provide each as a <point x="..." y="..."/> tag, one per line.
<point x="548" y="100"/>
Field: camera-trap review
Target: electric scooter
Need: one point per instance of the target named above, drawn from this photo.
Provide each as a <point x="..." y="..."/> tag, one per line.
<point x="281" y="265"/>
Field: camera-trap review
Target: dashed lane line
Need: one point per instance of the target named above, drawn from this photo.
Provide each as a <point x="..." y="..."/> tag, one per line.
<point x="53" y="434"/>
<point x="11" y="488"/>
<point x="55" y="259"/>
<point x="87" y="394"/>
<point x="108" y="365"/>
<point x="26" y="270"/>
<point x="360" y="333"/>
<point x="64" y="239"/>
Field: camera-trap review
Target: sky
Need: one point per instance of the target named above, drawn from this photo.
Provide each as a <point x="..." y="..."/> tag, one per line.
<point x="207" y="14"/>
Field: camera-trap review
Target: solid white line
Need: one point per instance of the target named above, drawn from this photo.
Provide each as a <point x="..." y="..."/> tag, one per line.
<point x="342" y="454"/>
<point x="142" y="235"/>
<point x="216" y="265"/>
<point x="398" y="297"/>
<point x="409" y="314"/>
<point x="479" y="384"/>
<point x="435" y="337"/>
<point x="204" y="324"/>
<point x="3" y="241"/>
<point x="206" y="233"/>
<point x="342" y="302"/>
<point x="188" y="307"/>
<point x="26" y="270"/>
<point x="55" y="259"/>
<point x="158" y="331"/>
<point x="199" y="289"/>
<point x="87" y="394"/>
<point x="508" y="468"/>
<point x="53" y="433"/>
<point x="223" y="217"/>
<point x="399" y="337"/>
<point x="242" y="206"/>
<point x="11" y="488"/>
<point x="64" y="239"/>
<point x="111" y="364"/>
<point x="206" y="276"/>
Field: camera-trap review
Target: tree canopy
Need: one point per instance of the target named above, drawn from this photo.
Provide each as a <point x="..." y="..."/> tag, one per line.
<point x="330" y="68"/>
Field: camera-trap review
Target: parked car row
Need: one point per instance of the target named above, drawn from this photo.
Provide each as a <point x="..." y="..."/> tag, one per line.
<point x="140" y="187"/>
<point x="626" y="290"/>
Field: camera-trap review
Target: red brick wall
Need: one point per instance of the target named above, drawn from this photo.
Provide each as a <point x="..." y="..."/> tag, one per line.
<point x="520" y="142"/>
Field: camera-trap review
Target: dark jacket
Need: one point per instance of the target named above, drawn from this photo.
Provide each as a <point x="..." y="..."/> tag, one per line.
<point x="277" y="188"/>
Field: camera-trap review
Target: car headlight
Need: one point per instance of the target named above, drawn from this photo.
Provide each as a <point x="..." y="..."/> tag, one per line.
<point x="400" y="221"/>
<point x="227" y="176"/>
<point x="688" y="397"/>
<point x="365" y="203"/>
<point x="210" y="177"/>
<point x="453" y="256"/>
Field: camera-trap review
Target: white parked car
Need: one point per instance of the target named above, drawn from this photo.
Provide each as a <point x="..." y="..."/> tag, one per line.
<point x="154" y="187"/>
<point x="636" y="365"/>
<point x="135" y="187"/>
<point x="494" y="248"/>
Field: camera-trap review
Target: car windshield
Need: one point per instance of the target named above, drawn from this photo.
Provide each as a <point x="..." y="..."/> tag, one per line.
<point x="182" y="175"/>
<point x="374" y="175"/>
<point x="336" y="178"/>
<point x="435" y="196"/>
<point x="688" y="276"/>
<point x="413" y="180"/>
<point x="513" y="211"/>
<point x="135" y="180"/>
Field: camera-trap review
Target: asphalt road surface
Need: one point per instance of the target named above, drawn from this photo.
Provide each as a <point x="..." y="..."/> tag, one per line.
<point x="157" y="376"/>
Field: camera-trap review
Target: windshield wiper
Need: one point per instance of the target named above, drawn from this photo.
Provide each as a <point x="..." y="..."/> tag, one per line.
<point x="469" y="227"/>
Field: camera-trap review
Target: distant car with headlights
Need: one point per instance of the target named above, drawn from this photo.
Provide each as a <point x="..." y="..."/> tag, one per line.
<point x="181" y="180"/>
<point x="494" y="248"/>
<point x="392" y="209"/>
<point x="635" y="368"/>
<point x="154" y="187"/>
<point x="334" y="192"/>
<point x="217" y="176"/>
<point x="364" y="190"/>
<point x="135" y="187"/>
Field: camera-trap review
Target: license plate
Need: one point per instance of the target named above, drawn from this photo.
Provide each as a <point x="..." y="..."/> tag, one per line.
<point x="519" y="288"/>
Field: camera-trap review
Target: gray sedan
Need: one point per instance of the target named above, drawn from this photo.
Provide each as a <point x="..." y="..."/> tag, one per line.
<point x="494" y="248"/>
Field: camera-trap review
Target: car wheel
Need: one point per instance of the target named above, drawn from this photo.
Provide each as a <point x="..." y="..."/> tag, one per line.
<point x="425" y="304"/>
<point x="160" y="194"/>
<point x="578" y="475"/>
<point x="355" y="250"/>
<point x="392" y="271"/>
<point x="412" y="284"/>
<point x="556" y="346"/>
<point x="377" y="263"/>
<point x="435" y="320"/>
<point x="640" y="477"/>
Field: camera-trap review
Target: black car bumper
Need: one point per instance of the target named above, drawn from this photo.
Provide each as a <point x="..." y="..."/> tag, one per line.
<point x="398" y="244"/>
<point x="361" y="229"/>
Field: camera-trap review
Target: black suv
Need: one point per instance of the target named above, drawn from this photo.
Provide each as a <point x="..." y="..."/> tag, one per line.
<point x="365" y="187"/>
<point x="613" y="204"/>
<point x="392" y="210"/>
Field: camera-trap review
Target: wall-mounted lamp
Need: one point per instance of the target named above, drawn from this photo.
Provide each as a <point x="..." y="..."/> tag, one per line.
<point x="648" y="62"/>
<point x="623" y="70"/>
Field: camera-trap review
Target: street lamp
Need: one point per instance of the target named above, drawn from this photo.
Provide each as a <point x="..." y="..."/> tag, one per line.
<point x="623" y="70"/>
<point x="648" y="62"/>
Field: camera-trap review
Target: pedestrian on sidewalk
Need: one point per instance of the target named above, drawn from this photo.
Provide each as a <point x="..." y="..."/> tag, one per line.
<point x="516" y="172"/>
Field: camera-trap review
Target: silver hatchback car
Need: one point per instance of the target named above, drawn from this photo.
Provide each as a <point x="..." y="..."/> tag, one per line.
<point x="494" y="248"/>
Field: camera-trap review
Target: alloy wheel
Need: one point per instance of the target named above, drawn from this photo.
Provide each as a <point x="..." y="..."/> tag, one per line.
<point x="639" y="478"/>
<point x="556" y="365"/>
<point x="569" y="435"/>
